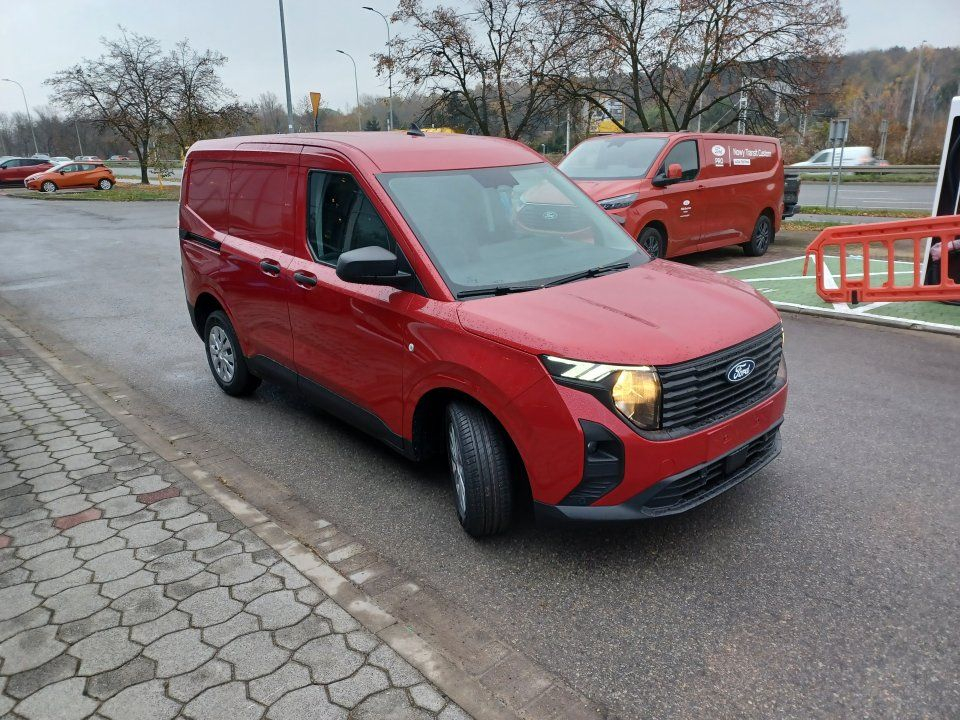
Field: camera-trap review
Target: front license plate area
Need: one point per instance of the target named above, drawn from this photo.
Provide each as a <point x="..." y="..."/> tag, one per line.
<point x="736" y="460"/>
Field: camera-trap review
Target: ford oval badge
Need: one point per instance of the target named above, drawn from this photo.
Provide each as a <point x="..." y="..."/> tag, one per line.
<point x="741" y="370"/>
<point x="550" y="215"/>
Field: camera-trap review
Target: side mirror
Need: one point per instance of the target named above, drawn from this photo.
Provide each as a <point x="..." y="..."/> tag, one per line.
<point x="63" y="172"/>
<point x="372" y="265"/>
<point x="673" y="175"/>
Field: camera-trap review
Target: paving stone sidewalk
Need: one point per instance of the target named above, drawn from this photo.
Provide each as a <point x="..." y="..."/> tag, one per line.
<point x="128" y="593"/>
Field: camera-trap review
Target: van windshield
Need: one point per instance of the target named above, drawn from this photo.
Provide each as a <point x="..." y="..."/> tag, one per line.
<point x="612" y="158"/>
<point x="506" y="229"/>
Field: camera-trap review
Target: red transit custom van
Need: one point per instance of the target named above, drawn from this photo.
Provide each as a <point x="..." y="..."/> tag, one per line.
<point x="683" y="192"/>
<point x="411" y="286"/>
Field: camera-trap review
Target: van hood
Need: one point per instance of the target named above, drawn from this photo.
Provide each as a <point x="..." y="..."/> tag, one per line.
<point x="603" y="189"/>
<point x="659" y="313"/>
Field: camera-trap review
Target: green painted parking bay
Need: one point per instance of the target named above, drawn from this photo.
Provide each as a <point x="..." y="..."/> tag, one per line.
<point x="783" y="283"/>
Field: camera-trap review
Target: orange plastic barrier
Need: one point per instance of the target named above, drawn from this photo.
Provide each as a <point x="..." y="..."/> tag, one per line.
<point x="861" y="240"/>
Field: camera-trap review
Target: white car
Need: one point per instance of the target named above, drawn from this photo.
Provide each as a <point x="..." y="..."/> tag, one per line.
<point x="853" y="156"/>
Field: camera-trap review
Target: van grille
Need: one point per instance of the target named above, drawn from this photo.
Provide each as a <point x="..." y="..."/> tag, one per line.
<point x="698" y="393"/>
<point x="715" y="477"/>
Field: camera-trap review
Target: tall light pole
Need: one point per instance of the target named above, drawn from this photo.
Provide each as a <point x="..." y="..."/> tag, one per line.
<point x="356" y="85"/>
<point x="913" y="102"/>
<point x="389" y="65"/>
<point x="36" y="148"/>
<point x="286" y="69"/>
<point x="77" y="128"/>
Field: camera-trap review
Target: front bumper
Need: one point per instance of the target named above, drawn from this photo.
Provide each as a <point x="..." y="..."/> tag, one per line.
<point x="681" y="492"/>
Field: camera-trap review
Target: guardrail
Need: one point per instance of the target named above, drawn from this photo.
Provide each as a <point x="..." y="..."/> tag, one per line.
<point x="868" y="169"/>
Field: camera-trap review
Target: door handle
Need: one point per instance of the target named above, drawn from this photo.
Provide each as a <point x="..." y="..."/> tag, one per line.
<point x="270" y="267"/>
<point x="304" y="279"/>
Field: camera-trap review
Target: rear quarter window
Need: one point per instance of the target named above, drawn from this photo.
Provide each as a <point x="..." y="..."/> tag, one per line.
<point x="732" y="157"/>
<point x="208" y="190"/>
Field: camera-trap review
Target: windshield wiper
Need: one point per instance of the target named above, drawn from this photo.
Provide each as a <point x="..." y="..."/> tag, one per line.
<point x="592" y="272"/>
<point x="497" y="290"/>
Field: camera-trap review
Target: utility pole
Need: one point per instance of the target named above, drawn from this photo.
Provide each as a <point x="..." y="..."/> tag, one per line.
<point x="286" y="69"/>
<point x="356" y="86"/>
<point x="884" y="127"/>
<point x="77" y="128"/>
<point x="742" y="118"/>
<point x="36" y="148"/>
<point x="389" y="65"/>
<point x="913" y="102"/>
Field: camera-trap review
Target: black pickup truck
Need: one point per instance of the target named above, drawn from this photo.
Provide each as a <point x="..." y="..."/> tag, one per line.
<point x="791" y="194"/>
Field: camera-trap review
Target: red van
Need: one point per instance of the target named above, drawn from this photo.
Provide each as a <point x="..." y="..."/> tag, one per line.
<point x="683" y="192"/>
<point x="408" y="284"/>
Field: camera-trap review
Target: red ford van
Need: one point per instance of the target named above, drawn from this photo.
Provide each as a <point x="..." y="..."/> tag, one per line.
<point x="679" y="193"/>
<point x="410" y="285"/>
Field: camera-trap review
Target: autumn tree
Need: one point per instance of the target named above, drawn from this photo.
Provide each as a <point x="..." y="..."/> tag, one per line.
<point x="669" y="61"/>
<point x="487" y="59"/>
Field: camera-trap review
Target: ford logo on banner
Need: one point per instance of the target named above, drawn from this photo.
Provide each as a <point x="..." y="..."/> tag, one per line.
<point x="741" y="370"/>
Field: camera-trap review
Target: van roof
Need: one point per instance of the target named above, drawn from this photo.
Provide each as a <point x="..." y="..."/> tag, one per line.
<point x="398" y="151"/>
<point x="727" y="137"/>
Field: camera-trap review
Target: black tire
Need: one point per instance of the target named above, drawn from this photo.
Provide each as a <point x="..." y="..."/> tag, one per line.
<point x="762" y="237"/>
<point x="48" y="186"/>
<point x="104" y="184"/>
<point x="652" y="240"/>
<point x="219" y="338"/>
<point x="484" y="500"/>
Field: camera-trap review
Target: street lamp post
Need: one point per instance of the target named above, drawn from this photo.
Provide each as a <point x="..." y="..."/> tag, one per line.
<point x="36" y="148"/>
<point x="389" y="65"/>
<point x="286" y="69"/>
<point x="356" y="86"/>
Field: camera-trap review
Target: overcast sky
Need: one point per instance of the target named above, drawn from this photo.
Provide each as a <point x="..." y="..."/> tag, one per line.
<point x="39" y="37"/>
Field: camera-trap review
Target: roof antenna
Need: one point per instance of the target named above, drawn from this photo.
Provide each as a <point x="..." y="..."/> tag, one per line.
<point x="415" y="131"/>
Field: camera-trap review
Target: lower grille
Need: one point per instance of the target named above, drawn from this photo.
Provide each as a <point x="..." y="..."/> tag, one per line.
<point x="715" y="477"/>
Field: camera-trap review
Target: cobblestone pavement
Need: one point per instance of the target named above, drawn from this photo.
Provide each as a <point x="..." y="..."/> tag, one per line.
<point x="128" y="593"/>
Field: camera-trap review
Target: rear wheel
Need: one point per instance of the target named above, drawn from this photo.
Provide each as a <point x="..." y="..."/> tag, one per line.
<point x="479" y="469"/>
<point x="48" y="186"/>
<point x="761" y="239"/>
<point x="104" y="184"/>
<point x="653" y="241"/>
<point x="227" y="363"/>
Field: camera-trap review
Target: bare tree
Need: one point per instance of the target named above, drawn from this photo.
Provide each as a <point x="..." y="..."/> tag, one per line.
<point x="199" y="105"/>
<point x="668" y="61"/>
<point x="126" y="88"/>
<point x="488" y="60"/>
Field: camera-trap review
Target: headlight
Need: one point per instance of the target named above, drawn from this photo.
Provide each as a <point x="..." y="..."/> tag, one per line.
<point x="633" y="391"/>
<point x="618" y="202"/>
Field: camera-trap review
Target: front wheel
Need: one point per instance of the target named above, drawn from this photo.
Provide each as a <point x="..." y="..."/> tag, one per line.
<point x="653" y="241"/>
<point x="104" y="184"/>
<point x="479" y="470"/>
<point x="761" y="239"/>
<point x="227" y="363"/>
<point x="48" y="186"/>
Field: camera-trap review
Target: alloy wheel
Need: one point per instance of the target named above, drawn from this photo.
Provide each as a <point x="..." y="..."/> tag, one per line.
<point x="221" y="354"/>
<point x="456" y="469"/>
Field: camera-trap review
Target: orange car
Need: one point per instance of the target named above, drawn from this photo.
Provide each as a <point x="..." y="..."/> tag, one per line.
<point x="72" y="175"/>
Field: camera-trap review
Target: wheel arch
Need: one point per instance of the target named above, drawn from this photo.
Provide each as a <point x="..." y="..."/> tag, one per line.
<point x="427" y="432"/>
<point x="206" y="304"/>
<point x="660" y="226"/>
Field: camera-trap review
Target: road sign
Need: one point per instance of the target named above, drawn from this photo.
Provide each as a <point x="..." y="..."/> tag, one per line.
<point x="315" y="101"/>
<point x="838" y="130"/>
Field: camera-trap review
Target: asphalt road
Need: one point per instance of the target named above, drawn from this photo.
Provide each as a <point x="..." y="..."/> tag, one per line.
<point x="906" y="196"/>
<point x="826" y="586"/>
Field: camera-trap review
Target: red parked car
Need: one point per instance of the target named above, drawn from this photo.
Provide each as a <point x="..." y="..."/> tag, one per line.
<point x="13" y="170"/>
<point x="409" y="285"/>
<point x="684" y="192"/>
